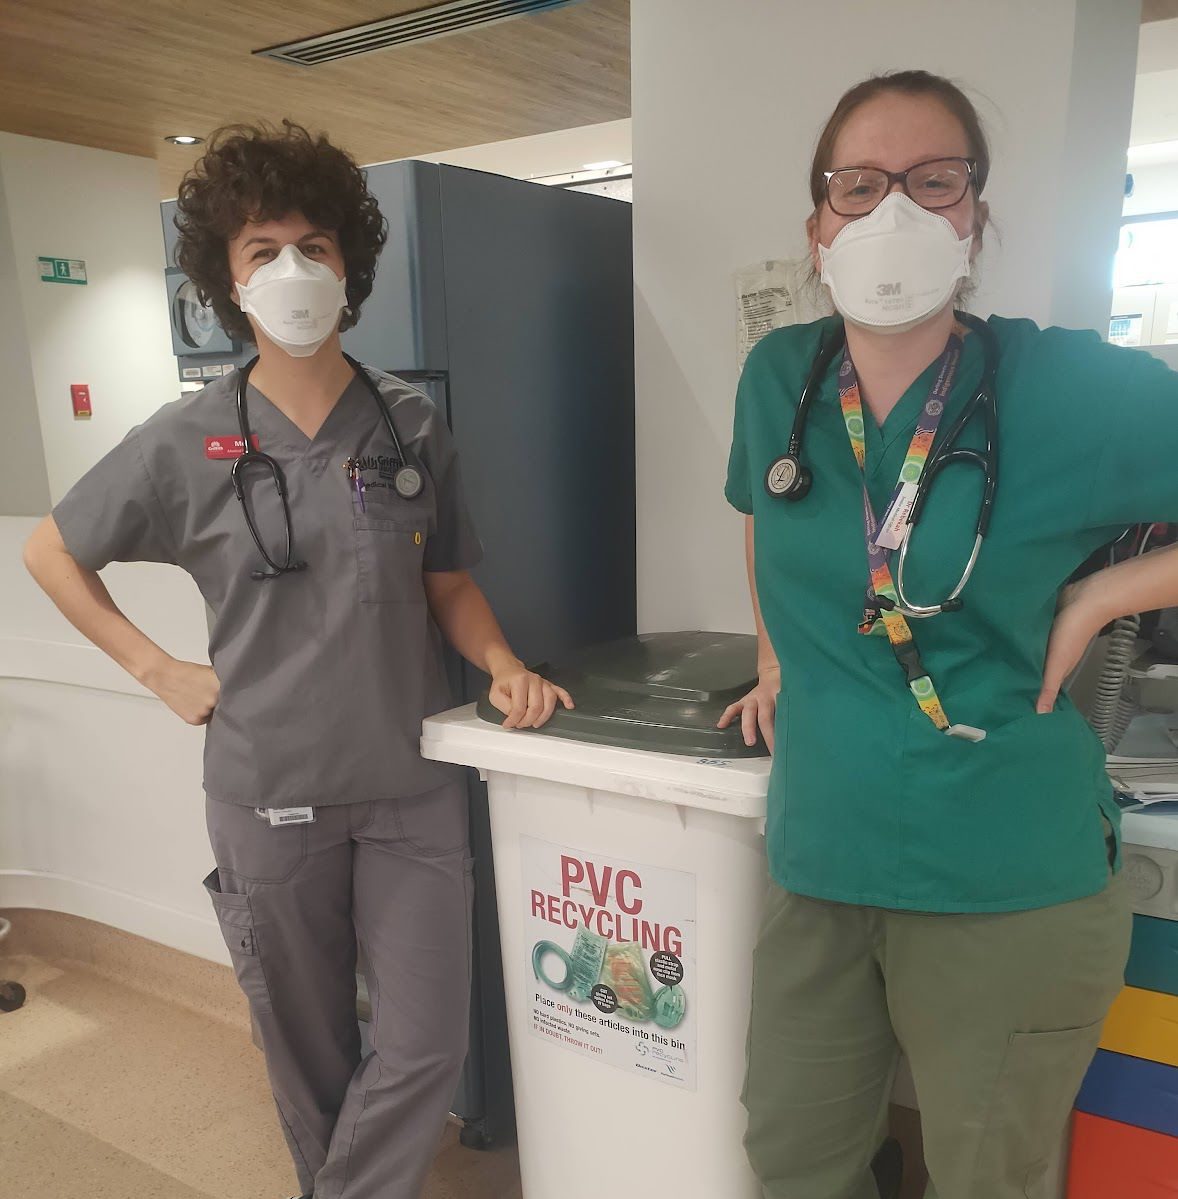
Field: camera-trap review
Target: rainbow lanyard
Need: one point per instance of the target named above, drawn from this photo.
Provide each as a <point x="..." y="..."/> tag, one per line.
<point x="881" y="604"/>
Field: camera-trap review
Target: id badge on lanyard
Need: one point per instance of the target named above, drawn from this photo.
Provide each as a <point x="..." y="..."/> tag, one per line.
<point x="881" y="604"/>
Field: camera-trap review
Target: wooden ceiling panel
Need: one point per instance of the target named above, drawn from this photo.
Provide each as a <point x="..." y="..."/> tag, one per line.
<point x="121" y="75"/>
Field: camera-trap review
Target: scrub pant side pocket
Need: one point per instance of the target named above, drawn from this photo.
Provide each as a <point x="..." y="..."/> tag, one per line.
<point x="772" y="906"/>
<point x="236" y="918"/>
<point x="1041" y="1075"/>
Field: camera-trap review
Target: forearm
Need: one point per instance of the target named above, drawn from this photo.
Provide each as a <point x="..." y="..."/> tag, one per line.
<point x="766" y="658"/>
<point x="462" y="613"/>
<point x="82" y="598"/>
<point x="1141" y="584"/>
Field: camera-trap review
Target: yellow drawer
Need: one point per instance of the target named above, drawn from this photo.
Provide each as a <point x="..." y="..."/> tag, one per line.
<point x="1143" y="1024"/>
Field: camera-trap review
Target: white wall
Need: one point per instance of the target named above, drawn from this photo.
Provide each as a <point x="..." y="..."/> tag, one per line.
<point x="101" y="807"/>
<point x="748" y="85"/>
<point x="75" y="202"/>
<point x="1158" y="48"/>
<point x="1155" y="110"/>
<point x="1153" y="157"/>
<point x="545" y="154"/>
<point x="1087" y="184"/>
<point x="24" y="482"/>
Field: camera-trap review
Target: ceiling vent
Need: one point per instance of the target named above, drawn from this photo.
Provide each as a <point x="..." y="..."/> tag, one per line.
<point x="423" y="25"/>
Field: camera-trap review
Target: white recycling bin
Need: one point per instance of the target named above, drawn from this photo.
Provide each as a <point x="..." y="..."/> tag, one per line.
<point x="629" y="886"/>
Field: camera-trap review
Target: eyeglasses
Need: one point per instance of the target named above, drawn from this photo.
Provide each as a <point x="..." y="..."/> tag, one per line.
<point x="937" y="183"/>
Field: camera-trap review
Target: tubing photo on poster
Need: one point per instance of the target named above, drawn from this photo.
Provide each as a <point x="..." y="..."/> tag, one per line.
<point x="613" y="960"/>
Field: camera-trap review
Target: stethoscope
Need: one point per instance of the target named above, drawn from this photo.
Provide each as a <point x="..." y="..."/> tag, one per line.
<point x="408" y="482"/>
<point x="787" y="478"/>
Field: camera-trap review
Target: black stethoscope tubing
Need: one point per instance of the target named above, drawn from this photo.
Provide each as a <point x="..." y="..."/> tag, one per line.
<point x="408" y="481"/>
<point x="986" y="460"/>
<point x="803" y="478"/>
<point x="790" y="479"/>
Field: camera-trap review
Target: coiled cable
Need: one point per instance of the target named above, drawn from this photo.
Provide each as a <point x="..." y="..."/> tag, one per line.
<point x="1113" y="710"/>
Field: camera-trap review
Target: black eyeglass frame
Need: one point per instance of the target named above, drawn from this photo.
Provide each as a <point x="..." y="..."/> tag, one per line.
<point x="901" y="177"/>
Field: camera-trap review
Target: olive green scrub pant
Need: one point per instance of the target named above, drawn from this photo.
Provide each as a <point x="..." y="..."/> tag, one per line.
<point x="999" y="1016"/>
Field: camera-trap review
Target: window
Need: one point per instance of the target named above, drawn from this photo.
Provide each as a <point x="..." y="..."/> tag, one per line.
<point x="1126" y="330"/>
<point x="1148" y="253"/>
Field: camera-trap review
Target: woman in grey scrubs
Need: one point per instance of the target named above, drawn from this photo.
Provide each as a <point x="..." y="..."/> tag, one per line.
<point x="330" y="832"/>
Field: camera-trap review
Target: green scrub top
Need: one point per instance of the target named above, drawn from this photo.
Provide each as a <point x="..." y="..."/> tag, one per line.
<point x="869" y="803"/>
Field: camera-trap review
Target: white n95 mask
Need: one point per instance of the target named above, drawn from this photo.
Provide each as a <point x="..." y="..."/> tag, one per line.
<point x="296" y="301"/>
<point x="895" y="267"/>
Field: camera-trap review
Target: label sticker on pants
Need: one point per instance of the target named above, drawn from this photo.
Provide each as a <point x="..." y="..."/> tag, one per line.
<point x="612" y="967"/>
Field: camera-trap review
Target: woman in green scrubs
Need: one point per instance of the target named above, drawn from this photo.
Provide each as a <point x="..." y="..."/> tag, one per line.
<point x="942" y="836"/>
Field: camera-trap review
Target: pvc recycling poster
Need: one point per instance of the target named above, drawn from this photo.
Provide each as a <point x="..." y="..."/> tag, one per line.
<point x="613" y="959"/>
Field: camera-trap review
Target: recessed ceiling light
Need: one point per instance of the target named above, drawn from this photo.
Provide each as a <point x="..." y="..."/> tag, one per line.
<point x="184" y="139"/>
<point x="608" y="165"/>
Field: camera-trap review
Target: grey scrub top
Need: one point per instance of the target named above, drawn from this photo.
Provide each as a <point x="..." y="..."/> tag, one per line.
<point x="326" y="674"/>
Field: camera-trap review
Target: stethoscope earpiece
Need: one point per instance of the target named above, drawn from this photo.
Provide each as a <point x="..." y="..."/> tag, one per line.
<point x="264" y="576"/>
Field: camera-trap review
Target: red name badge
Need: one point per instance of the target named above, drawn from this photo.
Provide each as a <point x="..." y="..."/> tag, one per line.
<point x="227" y="447"/>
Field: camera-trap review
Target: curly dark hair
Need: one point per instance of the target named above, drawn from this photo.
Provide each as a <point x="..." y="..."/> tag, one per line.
<point x="260" y="172"/>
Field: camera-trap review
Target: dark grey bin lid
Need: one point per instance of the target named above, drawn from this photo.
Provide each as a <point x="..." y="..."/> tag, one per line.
<point x="661" y="692"/>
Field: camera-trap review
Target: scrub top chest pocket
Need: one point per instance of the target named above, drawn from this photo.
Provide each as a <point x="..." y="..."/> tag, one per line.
<point x="390" y="536"/>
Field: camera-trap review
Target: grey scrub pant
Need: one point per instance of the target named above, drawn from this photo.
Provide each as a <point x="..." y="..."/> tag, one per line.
<point x="392" y="877"/>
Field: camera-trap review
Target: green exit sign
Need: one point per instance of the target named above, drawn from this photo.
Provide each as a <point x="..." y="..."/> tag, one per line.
<point x="62" y="270"/>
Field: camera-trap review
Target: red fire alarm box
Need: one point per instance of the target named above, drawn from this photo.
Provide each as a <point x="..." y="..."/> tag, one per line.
<point x="80" y="394"/>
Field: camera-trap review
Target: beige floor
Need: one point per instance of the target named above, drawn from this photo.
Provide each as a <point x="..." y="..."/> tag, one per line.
<point x="112" y="1091"/>
<point x="155" y="1091"/>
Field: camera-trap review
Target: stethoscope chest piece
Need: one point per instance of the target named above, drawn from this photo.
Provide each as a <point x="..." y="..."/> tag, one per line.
<point x="409" y="482"/>
<point x="788" y="479"/>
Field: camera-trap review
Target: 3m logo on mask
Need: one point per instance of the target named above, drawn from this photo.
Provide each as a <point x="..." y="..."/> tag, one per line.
<point x="300" y="314"/>
<point x="889" y="289"/>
